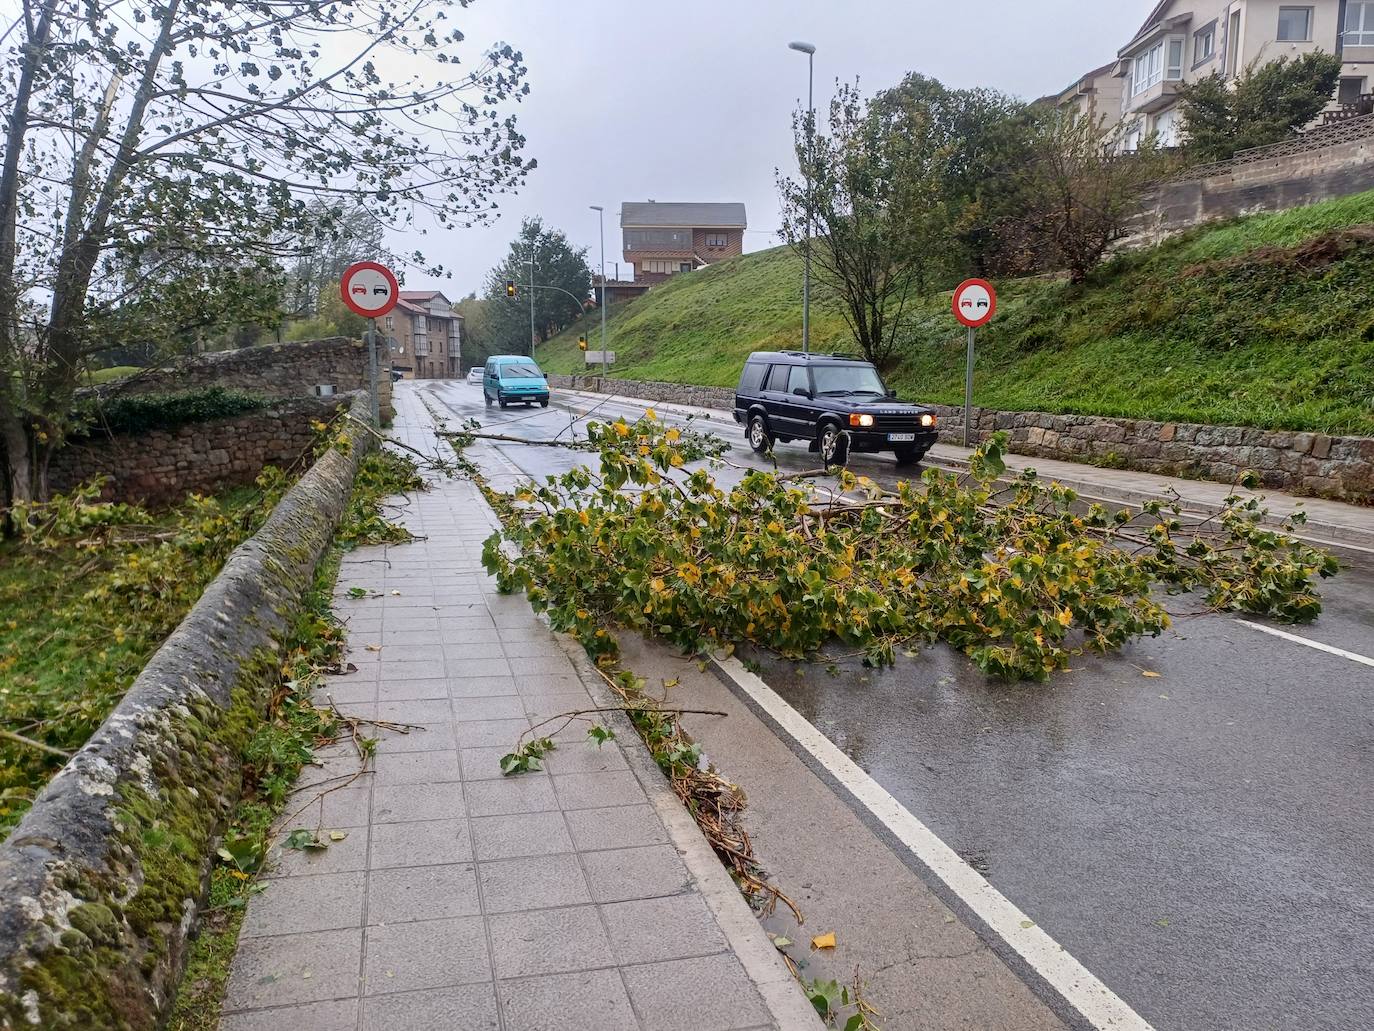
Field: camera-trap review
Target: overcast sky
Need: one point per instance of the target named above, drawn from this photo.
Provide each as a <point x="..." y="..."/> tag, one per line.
<point x="677" y="101"/>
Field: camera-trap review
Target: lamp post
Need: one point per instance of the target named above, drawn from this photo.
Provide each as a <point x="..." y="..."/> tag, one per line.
<point x="601" y="224"/>
<point x="534" y="242"/>
<point x="809" y="50"/>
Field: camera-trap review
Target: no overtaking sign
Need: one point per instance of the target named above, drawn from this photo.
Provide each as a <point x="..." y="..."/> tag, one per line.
<point x="975" y="303"/>
<point x="369" y="289"/>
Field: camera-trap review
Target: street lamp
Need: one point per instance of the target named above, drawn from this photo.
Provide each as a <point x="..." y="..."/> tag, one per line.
<point x="809" y="50"/>
<point x="534" y="242"/>
<point x="601" y="223"/>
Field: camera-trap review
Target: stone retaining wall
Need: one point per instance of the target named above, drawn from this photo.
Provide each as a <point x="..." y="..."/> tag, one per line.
<point x="1311" y="464"/>
<point x="277" y="370"/>
<point x="101" y="882"/>
<point x="161" y="466"/>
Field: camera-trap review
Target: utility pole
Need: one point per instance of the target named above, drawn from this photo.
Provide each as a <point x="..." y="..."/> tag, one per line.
<point x="601" y="223"/>
<point x="809" y="50"/>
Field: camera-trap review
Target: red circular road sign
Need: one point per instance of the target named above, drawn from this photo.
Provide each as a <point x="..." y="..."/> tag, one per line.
<point x="975" y="303"/>
<point x="369" y="289"/>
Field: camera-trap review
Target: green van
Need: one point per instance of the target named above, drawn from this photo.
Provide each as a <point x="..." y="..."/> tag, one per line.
<point x="513" y="378"/>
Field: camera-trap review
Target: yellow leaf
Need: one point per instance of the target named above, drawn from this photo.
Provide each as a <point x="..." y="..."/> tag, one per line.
<point x="1149" y="673"/>
<point x="673" y="435"/>
<point x="584" y="519"/>
<point x="824" y="941"/>
<point x="374" y="647"/>
<point x="649" y="413"/>
<point x="1065" y="617"/>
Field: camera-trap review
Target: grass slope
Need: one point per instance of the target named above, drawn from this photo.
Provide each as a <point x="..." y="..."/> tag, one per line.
<point x="1266" y="321"/>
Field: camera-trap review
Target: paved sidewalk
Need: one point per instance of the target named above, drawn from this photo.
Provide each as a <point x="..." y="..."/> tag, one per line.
<point x="1328" y="522"/>
<point x="579" y="897"/>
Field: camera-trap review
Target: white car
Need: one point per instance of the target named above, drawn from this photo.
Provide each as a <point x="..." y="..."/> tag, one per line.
<point x="475" y="376"/>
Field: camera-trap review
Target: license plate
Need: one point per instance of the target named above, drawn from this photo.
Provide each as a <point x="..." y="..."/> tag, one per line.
<point x="901" y="438"/>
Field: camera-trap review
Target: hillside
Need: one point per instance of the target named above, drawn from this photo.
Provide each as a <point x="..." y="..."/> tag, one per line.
<point x="1266" y="321"/>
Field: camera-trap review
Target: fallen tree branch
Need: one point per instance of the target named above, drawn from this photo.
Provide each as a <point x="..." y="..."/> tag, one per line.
<point x="30" y="742"/>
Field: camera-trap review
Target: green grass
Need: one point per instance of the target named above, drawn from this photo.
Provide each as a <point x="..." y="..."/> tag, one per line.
<point x="84" y="606"/>
<point x="97" y="376"/>
<point x="1212" y="326"/>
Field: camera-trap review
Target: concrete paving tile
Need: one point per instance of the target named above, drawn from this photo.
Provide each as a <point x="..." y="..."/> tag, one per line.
<point x="409" y="803"/>
<point x="294" y="905"/>
<point x="294" y="968"/>
<point x="485" y="763"/>
<point x="541" y="666"/>
<point x="544" y="687"/>
<point x="509" y="795"/>
<point x="527" y="834"/>
<point x="706" y="994"/>
<point x="415" y="710"/>
<point x="415" y="767"/>
<point x="390" y="690"/>
<point x="548" y="648"/>
<point x="428" y="954"/>
<point x="337" y="1015"/>
<point x="616" y="826"/>
<point x="636" y="873"/>
<point x="534" y="882"/>
<point x="532" y="631"/>
<point x="650" y="930"/>
<point x="595" y="790"/>
<point x="491" y="707"/>
<point x="548" y="941"/>
<point x="428" y="843"/>
<point x="479" y="667"/>
<point x="470" y="1007"/>
<point x="476" y="622"/>
<point x="399" y="894"/>
<point x="582" y="755"/>
<point x="543" y="706"/>
<point x="347" y="691"/>
<point x="491" y="733"/>
<point x="589" y="1000"/>
<point x="340" y="857"/>
<point x="412" y="669"/>
<point x="475" y="638"/>
<point x="481" y="687"/>
<point x="425" y="737"/>
<point x="393" y="652"/>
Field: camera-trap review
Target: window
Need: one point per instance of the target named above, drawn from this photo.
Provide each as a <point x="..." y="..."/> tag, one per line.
<point x="1350" y="91"/>
<point x="661" y="266"/>
<point x="1295" y="24"/>
<point x="1173" y="68"/>
<point x="1233" y="44"/>
<point x="390" y="322"/>
<point x="521" y="371"/>
<point x="1359" y="24"/>
<point x="715" y="239"/>
<point x="752" y="379"/>
<point x="849" y="379"/>
<point x="776" y="378"/>
<point x="685" y="266"/>
<point x="798" y="379"/>
<point x="1204" y="44"/>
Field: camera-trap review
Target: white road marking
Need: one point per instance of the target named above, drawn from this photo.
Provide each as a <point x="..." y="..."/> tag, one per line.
<point x="1098" y="1004"/>
<point x="1330" y="650"/>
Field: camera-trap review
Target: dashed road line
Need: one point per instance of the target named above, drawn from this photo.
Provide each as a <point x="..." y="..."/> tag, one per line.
<point x="1364" y="660"/>
<point x="1077" y="985"/>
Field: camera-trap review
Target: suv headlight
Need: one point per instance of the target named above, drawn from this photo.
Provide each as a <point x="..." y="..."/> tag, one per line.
<point x="856" y="419"/>
<point x="927" y="420"/>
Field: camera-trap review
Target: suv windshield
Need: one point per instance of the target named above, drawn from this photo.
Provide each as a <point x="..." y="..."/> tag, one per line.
<point x="848" y="379"/>
<point x="521" y="372"/>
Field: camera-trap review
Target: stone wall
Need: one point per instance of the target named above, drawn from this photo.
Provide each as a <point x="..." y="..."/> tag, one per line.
<point x="103" y="879"/>
<point x="162" y="466"/>
<point x="1312" y="464"/>
<point x="1330" y="162"/>
<point x="277" y="370"/>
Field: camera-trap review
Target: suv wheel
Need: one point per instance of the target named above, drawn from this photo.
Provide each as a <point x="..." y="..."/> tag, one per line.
<point x="832" y="445"/>
<point x="759" y="437"/>
<point x="500" y="400"/>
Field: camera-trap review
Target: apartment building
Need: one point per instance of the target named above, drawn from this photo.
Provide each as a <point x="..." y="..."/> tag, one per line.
<point x="1096" y="95"/>
<point x="661" y="240"/>
<point x="425" y="335"/>
<point x="1185" y="40"/>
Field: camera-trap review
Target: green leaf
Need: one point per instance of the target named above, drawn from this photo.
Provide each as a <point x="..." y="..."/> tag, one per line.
<point x="600" y="734"/>
<point x="305" y="841"/>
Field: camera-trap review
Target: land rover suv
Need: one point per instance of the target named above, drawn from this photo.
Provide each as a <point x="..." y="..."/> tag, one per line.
<point x="837" y="404"/>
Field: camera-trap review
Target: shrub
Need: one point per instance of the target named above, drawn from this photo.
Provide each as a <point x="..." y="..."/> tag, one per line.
<point x="140" y="413"/>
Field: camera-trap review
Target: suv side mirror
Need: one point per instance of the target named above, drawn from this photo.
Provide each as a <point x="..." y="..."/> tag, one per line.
<point x="802" y="392"/>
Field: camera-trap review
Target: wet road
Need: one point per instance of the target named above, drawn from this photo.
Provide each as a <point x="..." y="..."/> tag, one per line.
<point x="1203" y="841"/>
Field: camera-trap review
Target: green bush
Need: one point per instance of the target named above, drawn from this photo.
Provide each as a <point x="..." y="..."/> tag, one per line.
<point x="140" y="413"/>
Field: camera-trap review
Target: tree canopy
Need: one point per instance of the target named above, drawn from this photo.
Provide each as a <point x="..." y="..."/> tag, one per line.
<point x="201" y="143"/>
<point x="562" y="286"/>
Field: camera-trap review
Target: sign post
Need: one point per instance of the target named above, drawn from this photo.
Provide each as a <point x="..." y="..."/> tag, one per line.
<point x="975" y="303"/>
<point x="370" y="290"/>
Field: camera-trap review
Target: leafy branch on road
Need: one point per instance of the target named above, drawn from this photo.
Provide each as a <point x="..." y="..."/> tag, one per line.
<point x="1014" y="576"/>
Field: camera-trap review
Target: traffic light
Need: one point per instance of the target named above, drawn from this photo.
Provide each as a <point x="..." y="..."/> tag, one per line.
<point x="510" y="288"/>
<point x="582" y="343"/>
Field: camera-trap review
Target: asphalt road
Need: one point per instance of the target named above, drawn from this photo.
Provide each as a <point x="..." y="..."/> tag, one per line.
<point x="1202" y="841"/>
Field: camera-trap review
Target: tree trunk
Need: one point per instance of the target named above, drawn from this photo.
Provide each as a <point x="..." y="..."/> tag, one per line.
<point x="18" y="458"/>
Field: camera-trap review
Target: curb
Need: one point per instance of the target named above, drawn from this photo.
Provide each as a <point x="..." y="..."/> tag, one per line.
<point x="780" y="991"/>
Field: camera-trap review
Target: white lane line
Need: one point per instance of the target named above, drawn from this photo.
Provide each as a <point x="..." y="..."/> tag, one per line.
<point x="1364" y="660"/>
<point x="1098" y="1004"/>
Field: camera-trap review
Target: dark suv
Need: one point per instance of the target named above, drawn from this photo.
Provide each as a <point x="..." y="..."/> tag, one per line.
<point x="788" y="395"/>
